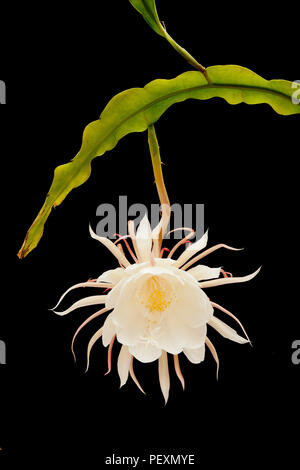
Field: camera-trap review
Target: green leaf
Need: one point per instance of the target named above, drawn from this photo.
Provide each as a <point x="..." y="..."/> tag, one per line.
<point x="147" y="8"/>
<point x="134" y="110"/>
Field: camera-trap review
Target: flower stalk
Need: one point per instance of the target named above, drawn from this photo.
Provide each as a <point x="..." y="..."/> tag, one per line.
<point x="160" y="186"/>
<point x="157" y="166"/>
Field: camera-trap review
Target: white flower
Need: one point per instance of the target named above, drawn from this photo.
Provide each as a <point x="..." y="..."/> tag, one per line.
<point x="157" y="305"/>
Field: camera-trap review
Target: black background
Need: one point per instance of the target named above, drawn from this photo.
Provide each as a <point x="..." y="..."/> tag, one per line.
<point x="61" y="67"/>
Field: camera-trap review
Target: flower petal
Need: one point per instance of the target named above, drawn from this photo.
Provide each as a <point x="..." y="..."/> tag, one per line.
<point x="164" y="376"/>
<point x="109" y="355"/>
<point x="119" y="293"/>
<point x="113" y="296"/>
<point x="232" y="316"/>
<point x="133" y="376"/>
<point x="112" y="276"/>
<point x="207" y="252"/>
<point x="195" y="355"/>
<point x="124" y="364"/>
<point x="226" y="331"/>
<point x="178" y="370"/>
<point x="156" y="232"/>
<point x="192" y="249"/>
<point x="201" y="272"/>
<point x="182" y="241"/>
<point x="93" y="340"/>
<point x="145" y="352"/>
<point x="127" y="318"/>
<point x="228" y="280"/>
<point x="129" y="324"/>
<point x="95" y="315"/>
<point x="195" y="305"/>
<point x="214" y="353"/>
<point x="172" y="334"/>
<point x="144" y="239"/>
<point x="82" y="284"/>
<point x="93" y="300"/>
<point x="131" y="232"/>
<point x="159" y="231"/>
<point x="112" y="248"/>
<point x="130" y="334"/>
<point x="109" y="331"/>
<point x="196" y="337"/>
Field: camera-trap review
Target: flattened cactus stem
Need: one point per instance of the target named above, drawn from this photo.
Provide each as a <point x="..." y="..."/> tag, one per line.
<point x="187" y="56"/>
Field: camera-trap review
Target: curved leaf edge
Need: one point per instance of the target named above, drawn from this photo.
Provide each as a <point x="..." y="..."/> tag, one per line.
<point x="231" y="78"/>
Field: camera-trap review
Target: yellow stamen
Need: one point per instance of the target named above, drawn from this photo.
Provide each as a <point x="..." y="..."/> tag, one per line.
<point x="156" y="295"/>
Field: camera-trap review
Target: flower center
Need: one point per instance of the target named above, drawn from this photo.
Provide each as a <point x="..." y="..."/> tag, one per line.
<point x="156" y="294"/>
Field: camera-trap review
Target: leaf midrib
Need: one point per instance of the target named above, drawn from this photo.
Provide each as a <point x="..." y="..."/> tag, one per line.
<point x="149" y="12"/>
<point x="162" y="98"/>
<point x="185" y="90"/>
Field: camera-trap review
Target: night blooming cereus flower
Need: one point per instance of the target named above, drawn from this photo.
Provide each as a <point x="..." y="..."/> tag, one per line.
<point x="157" y="305"/>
